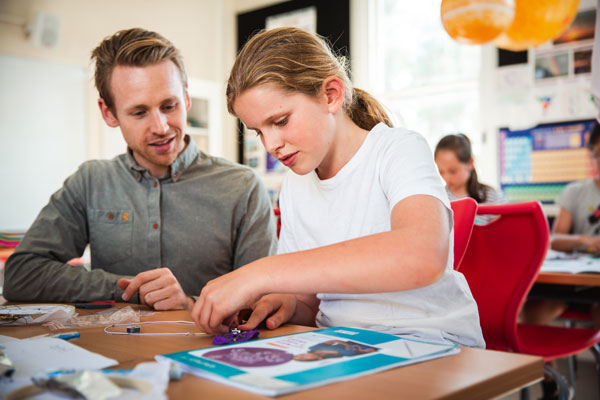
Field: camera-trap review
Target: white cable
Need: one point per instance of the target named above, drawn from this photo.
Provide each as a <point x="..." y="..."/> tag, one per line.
<point x="153" y="334"/>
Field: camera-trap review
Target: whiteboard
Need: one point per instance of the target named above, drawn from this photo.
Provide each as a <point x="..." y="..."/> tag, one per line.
<point x="43" y="132"/>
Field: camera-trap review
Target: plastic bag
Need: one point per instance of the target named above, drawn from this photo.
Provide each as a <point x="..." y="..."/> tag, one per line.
<point x="106" y="317"/>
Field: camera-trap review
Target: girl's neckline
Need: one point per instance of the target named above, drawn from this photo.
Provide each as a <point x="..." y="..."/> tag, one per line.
<point x="350" y="165"/>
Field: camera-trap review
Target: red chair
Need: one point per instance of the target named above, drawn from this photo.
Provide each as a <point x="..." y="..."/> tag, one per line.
<point x="277" y="213"/>
<point x="500" y="264"/>
<point x="464" y="217"/>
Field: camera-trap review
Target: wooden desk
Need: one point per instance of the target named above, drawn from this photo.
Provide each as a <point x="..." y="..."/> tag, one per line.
<point x="558" y="270"/>
<point x="472" y="374"/>
<point x="565" y="278"/>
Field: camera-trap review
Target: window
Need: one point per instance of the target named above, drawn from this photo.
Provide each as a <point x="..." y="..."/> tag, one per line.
<point x="429" y="82"/>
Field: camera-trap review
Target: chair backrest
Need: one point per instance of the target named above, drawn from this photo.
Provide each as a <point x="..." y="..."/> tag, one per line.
<point x="277" y="213"/>
<point x="501" y="263"/>
<point x="464" y="217"/>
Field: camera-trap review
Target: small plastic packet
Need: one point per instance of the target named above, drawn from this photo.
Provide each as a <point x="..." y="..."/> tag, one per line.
<point x="106" y="317"/>
<point x="6" y="366"/>
<point x="90" y="385"/>
<point x="28" y="314"/>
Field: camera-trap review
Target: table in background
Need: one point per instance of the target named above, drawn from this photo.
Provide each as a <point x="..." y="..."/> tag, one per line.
<point x="567" y="278"/>
<point x="472" y="374"/>
<point x="575" y="287"/>
<point x="569" y="269"/>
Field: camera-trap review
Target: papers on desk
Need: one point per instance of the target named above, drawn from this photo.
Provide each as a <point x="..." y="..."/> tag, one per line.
<point x="45" y="354"/>
<point x="575" y="263"/>
<point x="49" y="357"/>
<point x="290" y="363"/>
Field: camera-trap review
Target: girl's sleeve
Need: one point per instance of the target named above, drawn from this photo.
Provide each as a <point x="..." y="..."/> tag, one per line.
<point x="286" y="237"/>
<point x="407" y="168"/>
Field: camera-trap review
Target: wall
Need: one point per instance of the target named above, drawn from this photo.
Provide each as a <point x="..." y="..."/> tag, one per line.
<point x="42" y="141"/>
<point x="195" y="26"/>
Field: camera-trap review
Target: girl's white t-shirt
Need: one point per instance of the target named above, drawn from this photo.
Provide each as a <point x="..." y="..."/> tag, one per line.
<point x="392" y="164"/>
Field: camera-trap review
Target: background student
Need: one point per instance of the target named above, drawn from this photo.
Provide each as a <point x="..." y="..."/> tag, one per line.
<point x="162" y="219"/>
<point x="354" y="245"/>
<point x="454" y="160"/>
<point x="576" y="228"/>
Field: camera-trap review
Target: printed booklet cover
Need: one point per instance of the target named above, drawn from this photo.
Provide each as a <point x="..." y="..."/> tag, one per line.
<point x="290" y="363"/>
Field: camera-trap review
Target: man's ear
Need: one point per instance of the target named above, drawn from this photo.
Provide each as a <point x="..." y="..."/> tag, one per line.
<point x="333" y="88"/>
<point x="110" y="119"/>
<point x="188" y="100"/>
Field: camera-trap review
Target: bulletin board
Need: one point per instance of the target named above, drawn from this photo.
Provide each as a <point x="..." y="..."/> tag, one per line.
<point x="537" y="163"/>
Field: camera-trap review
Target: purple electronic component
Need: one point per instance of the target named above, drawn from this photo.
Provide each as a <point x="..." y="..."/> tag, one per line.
<point x="235" y="336"/>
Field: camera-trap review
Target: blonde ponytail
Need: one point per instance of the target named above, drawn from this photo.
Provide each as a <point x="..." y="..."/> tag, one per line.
<point x="365" y="111"/>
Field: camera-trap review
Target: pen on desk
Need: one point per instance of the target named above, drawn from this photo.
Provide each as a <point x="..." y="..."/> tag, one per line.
<point x="62" y="335"/>
<point x="96" y="304"/>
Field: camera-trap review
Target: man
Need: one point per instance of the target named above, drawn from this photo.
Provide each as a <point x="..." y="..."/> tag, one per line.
<point x="162" y="219"/>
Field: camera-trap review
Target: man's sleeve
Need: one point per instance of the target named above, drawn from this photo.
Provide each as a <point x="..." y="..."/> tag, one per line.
<point x="38" y="269"/>
<point x="256" y="237"/>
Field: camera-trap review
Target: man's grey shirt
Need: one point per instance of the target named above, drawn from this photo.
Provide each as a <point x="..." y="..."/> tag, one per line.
<point x="207" y="217"/>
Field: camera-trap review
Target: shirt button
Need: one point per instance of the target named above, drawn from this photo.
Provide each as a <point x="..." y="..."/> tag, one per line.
<point x="111" y="216"/>
<point x="155" y="184"/>
<point x="155" y="225"/>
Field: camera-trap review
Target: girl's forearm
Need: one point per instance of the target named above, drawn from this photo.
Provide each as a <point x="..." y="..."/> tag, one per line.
<point x="376" y="263"/>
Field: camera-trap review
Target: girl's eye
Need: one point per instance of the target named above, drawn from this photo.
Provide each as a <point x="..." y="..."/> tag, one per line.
<point x="281" y="122"/>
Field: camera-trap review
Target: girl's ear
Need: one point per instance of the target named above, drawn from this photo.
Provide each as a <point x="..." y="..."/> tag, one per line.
<point x="471" y="164"/>
<point x="333" y="89"/>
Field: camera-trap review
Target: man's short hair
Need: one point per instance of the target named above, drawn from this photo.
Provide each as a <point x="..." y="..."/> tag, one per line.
<point x="134" y="47"/>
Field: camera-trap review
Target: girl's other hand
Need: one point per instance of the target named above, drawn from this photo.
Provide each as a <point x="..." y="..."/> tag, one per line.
<point x="222" y="298"/>
<point x="274" y="309"/>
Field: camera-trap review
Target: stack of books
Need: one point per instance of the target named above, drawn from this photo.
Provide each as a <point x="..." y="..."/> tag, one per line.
<point x="10" y="239"/>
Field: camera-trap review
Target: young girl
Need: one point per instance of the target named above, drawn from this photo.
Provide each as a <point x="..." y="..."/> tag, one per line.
<point x="366" y="239"/>
<point x="455" y="162"/>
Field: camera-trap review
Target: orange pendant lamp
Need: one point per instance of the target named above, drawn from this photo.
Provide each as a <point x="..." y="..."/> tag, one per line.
<point x="512" y="24"/>
<point x="476" y="21"/>
<point x="537" y="21"/>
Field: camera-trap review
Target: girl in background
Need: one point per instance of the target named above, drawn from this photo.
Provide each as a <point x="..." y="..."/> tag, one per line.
<point x="454" y="160"/>
<point x="366" y="237"/>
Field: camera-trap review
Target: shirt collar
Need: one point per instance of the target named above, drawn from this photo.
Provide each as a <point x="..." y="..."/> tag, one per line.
<point x="183" y="161"/>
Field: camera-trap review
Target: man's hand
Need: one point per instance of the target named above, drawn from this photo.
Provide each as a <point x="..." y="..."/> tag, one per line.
<point x="157" y="288"/>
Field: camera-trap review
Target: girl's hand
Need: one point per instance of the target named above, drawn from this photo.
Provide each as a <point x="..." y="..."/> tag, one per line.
<point x="274" y="309"/>
<point x="222" y="298"/>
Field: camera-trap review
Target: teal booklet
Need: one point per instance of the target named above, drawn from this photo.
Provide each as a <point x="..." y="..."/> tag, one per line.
<point x="285" y="364"/>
